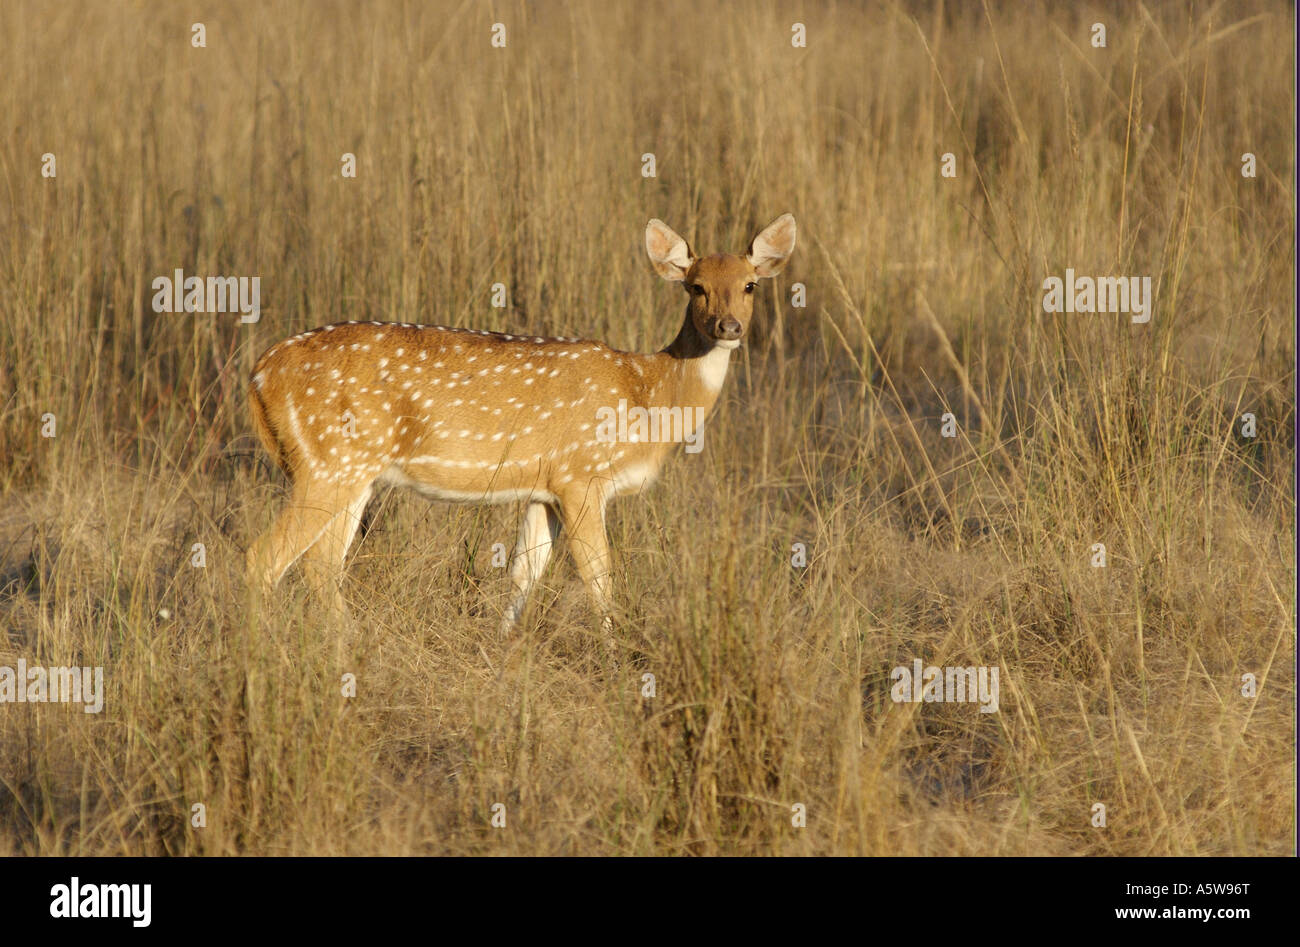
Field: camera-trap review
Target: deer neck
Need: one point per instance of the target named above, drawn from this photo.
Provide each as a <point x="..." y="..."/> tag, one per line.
<point x="695" y="368"/>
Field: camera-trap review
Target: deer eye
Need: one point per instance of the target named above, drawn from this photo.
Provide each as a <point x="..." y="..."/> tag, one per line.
<point x="749" y="287"/>
<point x="697" y="289"/>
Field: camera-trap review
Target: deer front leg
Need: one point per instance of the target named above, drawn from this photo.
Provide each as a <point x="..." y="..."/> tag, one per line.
<point x="585" y="522"/>
<point x="537" y="534"/>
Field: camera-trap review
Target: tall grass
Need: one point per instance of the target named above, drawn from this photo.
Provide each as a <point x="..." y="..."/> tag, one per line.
<point x="476" y="165"/>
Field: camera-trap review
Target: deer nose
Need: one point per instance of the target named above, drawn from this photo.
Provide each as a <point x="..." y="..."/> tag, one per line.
<point x="728" y="328"/>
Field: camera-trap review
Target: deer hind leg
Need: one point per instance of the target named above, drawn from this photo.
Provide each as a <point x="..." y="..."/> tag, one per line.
<point x="323" y="561"/>
<point x="312" y="508"/>
<point x="585" y="521"/>
<point x="537" y="534"/>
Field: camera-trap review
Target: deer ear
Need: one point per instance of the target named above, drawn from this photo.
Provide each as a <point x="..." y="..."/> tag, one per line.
<point x="769" y="251"/>
<point x="668" y="252"/>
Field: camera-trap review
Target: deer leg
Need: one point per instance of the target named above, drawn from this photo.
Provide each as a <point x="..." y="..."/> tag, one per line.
<point x="323" y="561"/>
<point x="537" y="533"/>
<point x="585" y="522"/>
<point x="311" y="510"/>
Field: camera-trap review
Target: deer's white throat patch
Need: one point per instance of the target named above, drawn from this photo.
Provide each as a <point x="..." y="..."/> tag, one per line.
<point x="713" y="367"/>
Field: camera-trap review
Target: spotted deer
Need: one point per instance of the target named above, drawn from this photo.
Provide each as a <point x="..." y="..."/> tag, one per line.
<point x="483" y="417"/>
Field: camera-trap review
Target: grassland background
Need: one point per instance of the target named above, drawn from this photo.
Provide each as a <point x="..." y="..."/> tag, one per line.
<point x="522" y="165"/>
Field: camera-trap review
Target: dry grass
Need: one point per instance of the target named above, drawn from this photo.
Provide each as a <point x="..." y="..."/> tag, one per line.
<point x="478" y="165"/>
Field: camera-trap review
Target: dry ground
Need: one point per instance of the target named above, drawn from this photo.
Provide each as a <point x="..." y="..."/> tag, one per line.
<point x="1120" y="685"/>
